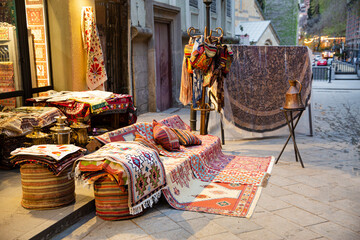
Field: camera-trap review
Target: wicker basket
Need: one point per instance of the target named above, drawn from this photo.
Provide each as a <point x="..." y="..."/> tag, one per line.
<point x="43" y="190"/>
<point x="111" y="201"/>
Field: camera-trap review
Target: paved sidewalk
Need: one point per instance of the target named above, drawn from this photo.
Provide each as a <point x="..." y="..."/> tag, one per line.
<point x="321" y="201"/>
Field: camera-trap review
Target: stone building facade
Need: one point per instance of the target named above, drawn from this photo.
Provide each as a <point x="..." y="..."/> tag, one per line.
<point x="250" y="23"/>
<point x="353" y="25"/>
<point x="158" y="34"/>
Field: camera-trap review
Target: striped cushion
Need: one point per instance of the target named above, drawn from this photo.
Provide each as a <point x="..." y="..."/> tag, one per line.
<point x="146" y="142"/>
<point x="43" y="190"/>
<point x="186" y="137"/>
<point x="165" y="137"/>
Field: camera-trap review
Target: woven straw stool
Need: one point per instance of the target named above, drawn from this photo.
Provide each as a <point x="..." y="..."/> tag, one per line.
<point x="43" y="190"/>
<point x="111" y="201"/>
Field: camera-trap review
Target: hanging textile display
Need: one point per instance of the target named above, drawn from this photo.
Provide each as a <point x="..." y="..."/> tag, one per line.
<point x="258" y="81"/>
<point x="206" y="63"/>
<point x="95" y="71"/>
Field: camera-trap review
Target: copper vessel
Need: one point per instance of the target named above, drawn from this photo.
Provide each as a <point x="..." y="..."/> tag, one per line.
<point x="37" y="137"/>
<point x="293" y="96"/>
<point x="61" y="133"/>
<point x="80" y="132"/>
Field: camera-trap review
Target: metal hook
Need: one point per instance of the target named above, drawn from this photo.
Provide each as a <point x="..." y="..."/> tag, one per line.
<point x="222" y="31"/>
<point x="190" y="29"/>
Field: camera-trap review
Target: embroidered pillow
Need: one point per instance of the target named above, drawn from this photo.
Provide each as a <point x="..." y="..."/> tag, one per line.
<point x="186" y="137"/>
<point x="145" y="142"/>
<point x="165" y="137"/>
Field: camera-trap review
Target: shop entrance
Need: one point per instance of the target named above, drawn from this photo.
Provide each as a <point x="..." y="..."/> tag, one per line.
<point x="112" y="23"/>
<point x="163" y="66"/>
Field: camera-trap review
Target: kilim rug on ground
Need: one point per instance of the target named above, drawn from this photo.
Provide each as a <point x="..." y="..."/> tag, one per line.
<point x="209" y="164"/>
<point x="140" y="166"/>
<point x="202" y="178"/>
<point x="186" y="192"/>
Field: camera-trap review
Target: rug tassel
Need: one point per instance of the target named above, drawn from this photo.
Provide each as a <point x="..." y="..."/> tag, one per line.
<point x="265" y="180"/>
<point x="149" y="202"/>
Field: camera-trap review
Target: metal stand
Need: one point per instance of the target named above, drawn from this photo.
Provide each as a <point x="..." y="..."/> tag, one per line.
<point x="292" y="127"/>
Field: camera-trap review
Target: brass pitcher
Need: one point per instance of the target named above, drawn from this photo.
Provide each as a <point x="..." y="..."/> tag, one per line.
<point x="80" y="132"/>
<point x="293" y="96"/>
<point x="37" y="137"/>
<point x="61" y="133"/>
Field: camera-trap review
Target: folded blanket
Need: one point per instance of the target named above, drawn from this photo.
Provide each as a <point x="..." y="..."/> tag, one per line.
<point x="56" y="158"/>
<point x="142" y="166"/>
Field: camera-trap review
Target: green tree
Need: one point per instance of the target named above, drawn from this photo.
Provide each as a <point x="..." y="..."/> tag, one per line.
<point x="327" y="17"/>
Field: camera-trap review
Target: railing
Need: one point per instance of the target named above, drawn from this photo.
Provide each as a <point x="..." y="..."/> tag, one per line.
<point x="344" y="68"/>
<point x="321" y="73"/>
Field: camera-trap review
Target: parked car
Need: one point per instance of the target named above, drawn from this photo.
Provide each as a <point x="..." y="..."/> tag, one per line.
<point x="322" y="62"/>
<point x="317" y="57"/>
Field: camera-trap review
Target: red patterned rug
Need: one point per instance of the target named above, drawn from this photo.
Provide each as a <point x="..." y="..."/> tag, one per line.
<point x="186" y="192"/>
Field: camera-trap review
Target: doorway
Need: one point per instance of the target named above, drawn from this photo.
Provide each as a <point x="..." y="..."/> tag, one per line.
<point x="163" y="66"/>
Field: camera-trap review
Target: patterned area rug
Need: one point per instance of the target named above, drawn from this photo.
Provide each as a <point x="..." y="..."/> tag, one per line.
<point x="257" y="83"/>
<point x="186" y="192"/>
<point x="209" y="164"/>
<point x="142" y="167"/>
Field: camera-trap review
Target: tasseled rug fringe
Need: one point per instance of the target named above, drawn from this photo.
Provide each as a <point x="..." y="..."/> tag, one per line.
<point x="149" y="202"/>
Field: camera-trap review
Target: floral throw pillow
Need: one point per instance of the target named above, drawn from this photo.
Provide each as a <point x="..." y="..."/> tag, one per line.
<point x="164" y="136"/>
<point x="186" y="138"/>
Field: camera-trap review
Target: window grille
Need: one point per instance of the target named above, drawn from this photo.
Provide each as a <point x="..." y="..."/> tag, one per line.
<point x="194" y="3"/>
<point x="213" y="6"/>
<point x="228" y="8"/>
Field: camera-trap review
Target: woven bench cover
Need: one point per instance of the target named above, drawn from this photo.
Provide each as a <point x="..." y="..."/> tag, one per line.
<point x="43" y="190"/>
<point x="111" y="200"/>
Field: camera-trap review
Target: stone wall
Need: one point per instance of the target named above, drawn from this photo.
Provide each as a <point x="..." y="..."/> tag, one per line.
<point x="247" y="11"/>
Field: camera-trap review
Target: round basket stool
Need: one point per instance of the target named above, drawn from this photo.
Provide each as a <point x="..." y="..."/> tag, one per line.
<point x="43" y="190"/>
<point x="111" y="200"/>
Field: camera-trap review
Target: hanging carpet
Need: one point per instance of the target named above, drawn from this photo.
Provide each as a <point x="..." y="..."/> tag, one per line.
<point x="257" y="83"/>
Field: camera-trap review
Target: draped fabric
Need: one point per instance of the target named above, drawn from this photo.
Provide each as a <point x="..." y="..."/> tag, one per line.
<point x="186" y="85"/>
<point x="257" y="83"/>
<point x="95" y="72"/>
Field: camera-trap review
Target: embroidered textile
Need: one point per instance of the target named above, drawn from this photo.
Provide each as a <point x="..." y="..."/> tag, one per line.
<point x="230" y="199"/>
<point x="56" y="158"/>
<point x="83" y="104"/>
<point x="142" y="166"/>
<point x="56" y="152"/>
<point x="146" y="143"/>
<point x="197" y="87"/>
<point x="20" y="121"/>
<point x="186" y="137"/>
<point x="186" y="84"/>
<point x="96" y="72"/>
<point x="175" y="122"/>
<point x="164" y="136"/>
<point x="185" y="192"/>
<point x="258" y="81"/>
<point x="202" y="178"/>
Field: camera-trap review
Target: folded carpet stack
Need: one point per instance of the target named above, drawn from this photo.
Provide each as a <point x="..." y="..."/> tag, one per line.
<point x="127" y="177"/>
<point x="45" y="175"/>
